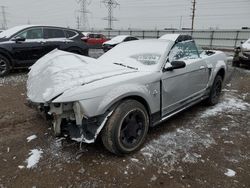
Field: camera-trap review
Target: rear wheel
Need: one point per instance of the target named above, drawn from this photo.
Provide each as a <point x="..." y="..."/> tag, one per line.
<point x="127" y="128"/>
<point x="4" y="66"/>
<point x="236" y="63"/>
<point x="215" y="91"/>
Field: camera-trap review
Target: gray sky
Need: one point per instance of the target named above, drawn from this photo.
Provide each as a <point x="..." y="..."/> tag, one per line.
<point x="140" y="14"/>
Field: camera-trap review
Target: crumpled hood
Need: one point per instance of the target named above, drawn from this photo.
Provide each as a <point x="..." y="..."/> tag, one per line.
<point x="59" y="71"/>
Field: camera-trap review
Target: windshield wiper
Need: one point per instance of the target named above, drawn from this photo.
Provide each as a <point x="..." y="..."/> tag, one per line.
<point x="126" y="66"/>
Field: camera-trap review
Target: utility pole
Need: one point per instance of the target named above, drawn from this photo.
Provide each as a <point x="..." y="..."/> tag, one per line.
<point x="83" y="18"/>
<point x="78" y="22"/>
<point x="4" y="21"/>
<point x="193" y="13"/>
<point x="180" y="23"/>
<point x="110" y="4"/>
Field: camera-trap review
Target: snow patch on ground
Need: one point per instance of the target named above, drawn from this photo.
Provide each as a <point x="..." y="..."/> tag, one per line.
<point x="228" y="104"/>
<point x="13" y="80"/>
<point x="171" y="147"/>
<point x="230" y="173"/>
<point x="34" y="158"/>
<point x="32" y="137"/>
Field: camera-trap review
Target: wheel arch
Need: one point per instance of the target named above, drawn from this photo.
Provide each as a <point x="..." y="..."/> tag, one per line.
<point x="112" y="105"/>
<point x="221" y="73"/>
<point x="139" y="99"/>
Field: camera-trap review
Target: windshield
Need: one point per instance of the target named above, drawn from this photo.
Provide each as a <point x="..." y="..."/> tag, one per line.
<point x="9" y="32"/>
<point x="141" y="55"/>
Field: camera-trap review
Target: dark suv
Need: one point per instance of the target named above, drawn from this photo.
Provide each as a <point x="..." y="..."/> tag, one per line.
<point x="21" y="46"/>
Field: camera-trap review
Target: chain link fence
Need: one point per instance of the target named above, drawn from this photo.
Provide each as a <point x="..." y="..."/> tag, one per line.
<point x="212" y="39"/>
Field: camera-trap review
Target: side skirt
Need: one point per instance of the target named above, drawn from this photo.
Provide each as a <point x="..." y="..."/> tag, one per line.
<point x="167" y="116"/>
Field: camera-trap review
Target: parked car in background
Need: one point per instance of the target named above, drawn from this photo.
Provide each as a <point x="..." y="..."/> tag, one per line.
<point x="117" y="40"/>
<point x="242" y="54"/>
<point x="121" y="94"/>
<point x="85" y="34"/>
<point x="21" y="46"/>
<point x="94" y="40"/>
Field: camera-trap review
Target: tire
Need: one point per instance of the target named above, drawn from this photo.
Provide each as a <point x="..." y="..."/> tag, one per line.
<point x="215" y="91"/>
<point x="236" y="63"/>
<point x="126" y="129"/>
<point x="4" y="66"/>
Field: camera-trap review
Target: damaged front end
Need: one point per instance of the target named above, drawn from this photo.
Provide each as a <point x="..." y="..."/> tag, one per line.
<point x="68" y="119"/>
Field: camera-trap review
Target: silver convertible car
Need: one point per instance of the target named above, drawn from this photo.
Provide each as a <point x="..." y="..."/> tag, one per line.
<point x="121" y="94"/>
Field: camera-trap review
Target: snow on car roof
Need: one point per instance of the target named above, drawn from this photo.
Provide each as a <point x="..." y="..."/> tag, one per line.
<point x="172" y="37"/>
<point x="119" y="38"/>
<point x="9" y="32"/>
<point x="246" y="44"/>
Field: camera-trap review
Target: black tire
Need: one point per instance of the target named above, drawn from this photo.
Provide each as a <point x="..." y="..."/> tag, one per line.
<point x="126" y="129"/>
<point x="4" y="66"/>
<point x="236" y="63"/>
<point x="215" y="91"/>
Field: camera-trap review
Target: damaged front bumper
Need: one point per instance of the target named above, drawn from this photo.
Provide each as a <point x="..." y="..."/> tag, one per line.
<point x="68" y="119"/>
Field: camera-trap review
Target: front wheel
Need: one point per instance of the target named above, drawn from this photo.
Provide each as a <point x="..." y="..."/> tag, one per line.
<point x="127" y="128"/>
<point x="215" y="91"/>
<point x="4" y="66"/>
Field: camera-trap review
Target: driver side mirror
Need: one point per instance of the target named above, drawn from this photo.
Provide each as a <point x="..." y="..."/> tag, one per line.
<point x="174" y="65"/>
<point x="19" y="39"/>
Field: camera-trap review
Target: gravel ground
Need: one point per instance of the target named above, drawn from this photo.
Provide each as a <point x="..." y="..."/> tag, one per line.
<point x="201" y="147"/>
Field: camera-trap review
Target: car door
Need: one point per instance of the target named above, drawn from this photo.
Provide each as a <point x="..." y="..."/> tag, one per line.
<point x="181" y="87"/>
<point x="54" y="38"/>
<point x="28" y="51"/>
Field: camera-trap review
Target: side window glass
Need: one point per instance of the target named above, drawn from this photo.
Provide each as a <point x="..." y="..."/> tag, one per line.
<point x="126" y="39"/>
<point x="70" y="34"/>
<point x="54" y="33"/>
<point x="133" y="38"/>
<point x="184" y="50"/>
<point x="22" y="35"/>
<point x="36" y="33"/>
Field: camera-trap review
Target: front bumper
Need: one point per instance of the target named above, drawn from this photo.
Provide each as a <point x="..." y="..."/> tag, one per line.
<point x="244" y="57"/>
<point x="68" y="119"/>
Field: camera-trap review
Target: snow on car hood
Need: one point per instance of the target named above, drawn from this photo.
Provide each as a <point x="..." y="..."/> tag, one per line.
<point x="246" y="45"/>
<point x="59" y="71"/>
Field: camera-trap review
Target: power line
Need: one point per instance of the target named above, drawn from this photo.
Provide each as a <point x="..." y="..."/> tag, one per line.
<point x="110" y="4"/>
<point x="193" y="13"/>
<point x="4" y="21"/>
<point x="82" y="20"/>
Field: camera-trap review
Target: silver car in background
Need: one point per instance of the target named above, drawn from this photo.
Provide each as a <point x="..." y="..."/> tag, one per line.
<point x="118" y="96"/>
<point x="242" y="54"/>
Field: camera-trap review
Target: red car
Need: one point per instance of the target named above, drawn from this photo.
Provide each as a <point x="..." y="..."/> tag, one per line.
<point x="94" y="40"/>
